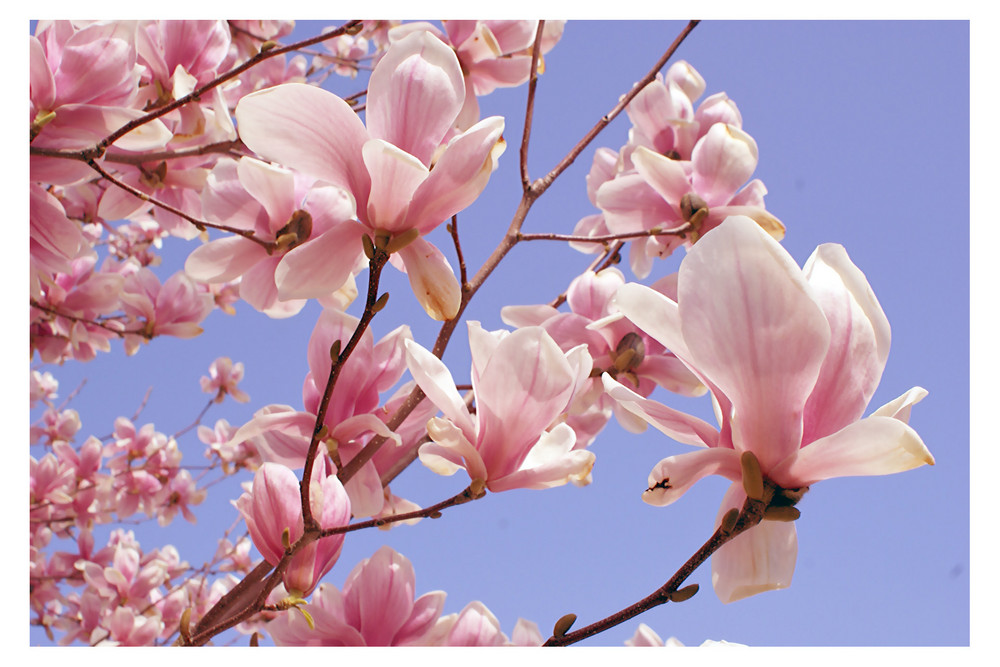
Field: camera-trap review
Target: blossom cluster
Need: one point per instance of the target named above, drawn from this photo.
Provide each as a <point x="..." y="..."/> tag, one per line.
<point x="284" y="194"/>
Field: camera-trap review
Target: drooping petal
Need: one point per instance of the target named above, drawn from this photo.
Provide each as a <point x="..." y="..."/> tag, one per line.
<point x="680" y="426"/>
<point x="281" y="434"/>
<point x="414" y="94"/>
<point x="664" y="175"/>
<point x="872" y="446"/>
<point x="432" y="279"/>
<point x="758" y="560"/>
<point x="673" y="476"/>
<point x="753" y="328"/>
<point x="308" y="129"/>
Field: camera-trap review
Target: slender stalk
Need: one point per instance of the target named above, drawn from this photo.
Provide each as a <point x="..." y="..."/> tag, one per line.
<point x="751" y="514"/>
<point x="530" y="106"/>
<point x="434" y="511"/>
<point x="375" y="266"/>
<point x="656" y="231"/>
<point x="200" y="224"/>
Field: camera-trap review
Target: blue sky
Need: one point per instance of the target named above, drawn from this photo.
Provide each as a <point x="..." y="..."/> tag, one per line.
<point x="863" y="131"/>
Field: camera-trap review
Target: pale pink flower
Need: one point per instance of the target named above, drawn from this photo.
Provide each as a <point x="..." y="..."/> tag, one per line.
<point x="616" y="345"/>
<point x="523" y="384"/>
<point x="792" y="357"/>
<point x="493" y="54"/>
<point x="375" y="607"/>
<point x="224" y="376"/>
<point x="54" y="239"/>
<point x="646" y="636"/>
<point x="414" y="95"/>
<point x="318" y="241"/>
<point x="174" y="308"/>
<point x="282" y="434"/>
<point x="43" y="388"/>
<point x="665" y="193"/>
<point x="273" y="512"/>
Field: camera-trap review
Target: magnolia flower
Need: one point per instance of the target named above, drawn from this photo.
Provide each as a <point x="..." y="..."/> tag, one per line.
<point x="273" y="512"/>
<point x="792" y="358"/>
<point x="376" y="607"/>
<point x="395" y="168"/>
<point x="523" y="384"/>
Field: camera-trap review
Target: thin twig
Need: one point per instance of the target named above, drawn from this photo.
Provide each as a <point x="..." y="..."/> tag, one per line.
<point x="655" y="231"/>
<point x="530" y="106"/>
<point x="751" y="514"/>
<point x="453" y="229"/>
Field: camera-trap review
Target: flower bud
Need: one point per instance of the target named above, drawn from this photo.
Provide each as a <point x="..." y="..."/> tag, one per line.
<point x="629" y="352"/>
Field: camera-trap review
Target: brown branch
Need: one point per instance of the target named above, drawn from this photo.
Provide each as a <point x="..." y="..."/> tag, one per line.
<point x="453" y="230"/>
<point x="375" y="266"/>
<point x="545" y="181"/>
<point x="530" y="107"/>
<point x="655" y="231"/>
<point x="201" y="225"/>
<point x="751" y="514"/>
<point x="224" y="147"/>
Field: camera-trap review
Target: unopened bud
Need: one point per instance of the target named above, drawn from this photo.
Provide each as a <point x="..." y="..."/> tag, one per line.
<point x="690" y="204"/>
<point x="335" y="350"/>
<point x="382" y="237"/>
<point x="355" y="29"/>
<point x="781" y="513"/>
<point x="286" y="539"/>
<point x="268" y="45"/>
<point x="729" y="520"/>
<point x="255" y="639"/>
<point x="478" y="488"/>
<point x="563" y="625"/>
<point x="685" y="593"/>
<point x="629" y="352"/>
<point x="185" y="624"/>
<point x="753" y="479"/>
<point x="400" y="241"/>
<point x="380" y="303"/>
<point x="369" y="247"/>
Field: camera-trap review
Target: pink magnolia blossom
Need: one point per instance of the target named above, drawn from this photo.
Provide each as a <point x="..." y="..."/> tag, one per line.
<point x="282" y="434"/>
<point x="396" y="169"/>
<point x="273" y="512"/>
<point x="174" y="308"/>
<point x="665" y="193"/>
<point x="523" y="384"/>
<point x="493" y="54"/>
<point x="318" y="241"/>
<point x="376" y="607"/>
<point x="646" y="636"/>
<point x="616" y="345"/>
<point x="224" y="376"/>
<point x="792" y="358"/>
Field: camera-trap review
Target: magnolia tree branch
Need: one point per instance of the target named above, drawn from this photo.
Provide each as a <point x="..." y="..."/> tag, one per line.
<point x="510" y="239"/>
<point x="749" y="516"/>
<point x="530" y="107"/>
<point x="680" y="230"/>
<point x="199" y="224"/>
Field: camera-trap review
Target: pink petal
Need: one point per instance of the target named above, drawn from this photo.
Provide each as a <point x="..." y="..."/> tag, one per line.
<point x="308" y="129"/>
<point x="414" y="94"/>
<point x="395" y="175"/>
<point x="450" y="451"/>
<point x="272" y="186"/>
<point x="321" y="265"/>
<point x="223" y="260"/>
<point x="432" y="279"/>
<point x="458" y="176"/>
<point x="673" y="476"/>
<point x="753" y="328"/>
<point x="859" y="342"/>
<point x="723" y="159"/>
<point x="426" y="611"/>
<point x="678" y="425"/>
<point x="42" y="84"/>
<point x="630" y="204"/>
<point x="378" y="596"/>
<point x="761" y="559"/>
<point x="872" y="446"/>
<point x="900" y="408"/>
<point x="550" y="462"/>
<point x="434" y="378"/>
